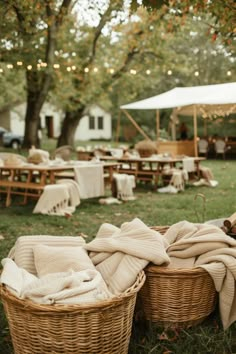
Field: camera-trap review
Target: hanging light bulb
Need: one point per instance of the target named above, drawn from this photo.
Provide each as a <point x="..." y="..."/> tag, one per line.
<point x="169" y="72"/>
<point x="86" y="70"/>
<point x="229" y="73"/>
<point x="196" y="73"/>
<point x="29" y="67"/>
<point x="148" y="72"/>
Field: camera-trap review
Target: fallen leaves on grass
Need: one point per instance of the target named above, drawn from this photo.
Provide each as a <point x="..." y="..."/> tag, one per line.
<point x="170" y="336"/>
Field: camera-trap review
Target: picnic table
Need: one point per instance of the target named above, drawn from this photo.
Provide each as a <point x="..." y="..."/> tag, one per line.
<point x="29" y="180"/>
<point x="151" y="168"/>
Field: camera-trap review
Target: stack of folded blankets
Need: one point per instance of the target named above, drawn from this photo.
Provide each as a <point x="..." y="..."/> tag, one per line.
<point x="53" y="269"/>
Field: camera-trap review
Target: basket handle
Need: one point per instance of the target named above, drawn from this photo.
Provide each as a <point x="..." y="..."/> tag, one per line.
<point x="200" y="195"/>
<point x="12" y="252"/>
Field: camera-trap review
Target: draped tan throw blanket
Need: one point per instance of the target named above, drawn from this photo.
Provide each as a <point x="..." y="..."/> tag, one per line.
<point x="207" y="246"/>
<point x="120" y="253"/>
<point x="124" y="185"/>
<point x="61" y="288"/>
<point x="73" y="189"/>
<point x="58" y="199"/>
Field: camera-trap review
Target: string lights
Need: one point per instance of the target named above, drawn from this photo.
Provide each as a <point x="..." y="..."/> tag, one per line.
<point x="216" y="110"/>
<point x="70" y="68"/>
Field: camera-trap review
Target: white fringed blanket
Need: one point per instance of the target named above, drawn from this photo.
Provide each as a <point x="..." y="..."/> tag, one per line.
<point x="124" y="184"/>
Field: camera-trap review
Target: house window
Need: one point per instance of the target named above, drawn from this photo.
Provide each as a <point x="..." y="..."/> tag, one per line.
<point x="91" y="122"/>
<point x="100" y="123"/>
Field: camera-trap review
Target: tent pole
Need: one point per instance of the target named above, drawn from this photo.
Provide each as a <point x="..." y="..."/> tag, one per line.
<point x="118" y="128"/>
<point x="195" y="129"/>
<point x="157" y="123"/>
<point x="136" y="125"/>
<point x="174" y="121"/>
<point x="205" y="127"/>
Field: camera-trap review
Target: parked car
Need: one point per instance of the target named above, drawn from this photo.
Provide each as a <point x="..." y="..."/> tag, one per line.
<point x="10" y="139"/>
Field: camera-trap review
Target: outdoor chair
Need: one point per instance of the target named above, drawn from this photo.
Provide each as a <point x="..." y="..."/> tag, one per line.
<point x="221" y="148"/>
<point x="203" y="147"/>
<point x="63" y="152"/>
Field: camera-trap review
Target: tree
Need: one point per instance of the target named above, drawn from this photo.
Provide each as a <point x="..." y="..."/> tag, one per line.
<point x="113" y="56"/>
<point x="31" y="31"/>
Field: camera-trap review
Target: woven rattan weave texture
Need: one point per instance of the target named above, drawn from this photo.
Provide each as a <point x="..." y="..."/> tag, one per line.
<point x="177" y="298"/>
<point x="101" y="328"/>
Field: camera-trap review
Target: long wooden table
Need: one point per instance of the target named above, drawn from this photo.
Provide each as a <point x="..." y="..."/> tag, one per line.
<point x="151" y="168"/>
<point x="29" y="180"/>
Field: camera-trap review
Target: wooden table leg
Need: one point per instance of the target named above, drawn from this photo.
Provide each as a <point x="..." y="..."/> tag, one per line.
<point x="8" y="197"/>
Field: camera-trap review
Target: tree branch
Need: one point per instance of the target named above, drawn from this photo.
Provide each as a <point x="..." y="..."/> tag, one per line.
<point x="62" y="12"/>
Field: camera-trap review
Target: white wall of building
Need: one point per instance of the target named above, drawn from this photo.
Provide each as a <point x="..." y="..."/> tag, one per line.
<point x="17" y="118"/>
<point x="83" y="131"/>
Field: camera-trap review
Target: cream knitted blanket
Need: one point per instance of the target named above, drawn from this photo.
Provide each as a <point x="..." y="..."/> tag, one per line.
<point x="207" y="246"/>
<point x="90" y="180"/>
<point x="124" y="184"/>
<point x="73" y="189"/>
<point x="60" y="288"/>
<point x="54" y="200"/>
<point x="120" y="254"/>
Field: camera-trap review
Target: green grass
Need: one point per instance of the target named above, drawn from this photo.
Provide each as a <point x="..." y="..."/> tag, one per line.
<point x="194" y="204"/>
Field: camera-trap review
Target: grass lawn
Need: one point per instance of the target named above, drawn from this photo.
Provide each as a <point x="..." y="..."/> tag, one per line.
<point x="195" y="204"/>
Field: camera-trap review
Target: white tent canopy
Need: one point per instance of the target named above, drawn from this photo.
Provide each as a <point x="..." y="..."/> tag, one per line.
<point x="207" y="100"/>
<point x="218" y="94"/>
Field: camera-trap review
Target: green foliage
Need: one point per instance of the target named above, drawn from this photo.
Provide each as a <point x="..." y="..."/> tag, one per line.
<point x="12" y="87"/>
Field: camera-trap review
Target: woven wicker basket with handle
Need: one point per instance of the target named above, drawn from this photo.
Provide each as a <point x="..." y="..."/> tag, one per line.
<point x="177" y="298"/>
<point x="99" y="328"/>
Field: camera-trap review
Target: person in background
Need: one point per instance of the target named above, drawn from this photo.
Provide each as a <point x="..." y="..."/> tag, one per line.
<point x="183" y="129"/>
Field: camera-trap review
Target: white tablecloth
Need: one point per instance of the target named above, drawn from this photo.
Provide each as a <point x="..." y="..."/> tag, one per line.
<point x="90" y="179"/>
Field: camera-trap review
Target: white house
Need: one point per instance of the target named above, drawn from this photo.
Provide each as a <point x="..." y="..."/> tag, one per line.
<point x="13" y="119"/>
<point x="96" y="124"/>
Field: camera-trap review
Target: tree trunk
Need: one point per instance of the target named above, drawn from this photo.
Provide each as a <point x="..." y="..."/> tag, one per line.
<point x="37" y="94"/>
<point x="38" y="82"/>
<point x="69" y="126"/>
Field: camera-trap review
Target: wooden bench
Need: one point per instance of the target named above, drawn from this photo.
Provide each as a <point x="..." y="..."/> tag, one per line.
<point x="26" y="189"/>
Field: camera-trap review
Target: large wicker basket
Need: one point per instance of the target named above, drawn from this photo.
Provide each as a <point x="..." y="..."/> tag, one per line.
<point x="100" y="328"/>
<point x="177" y="298"/>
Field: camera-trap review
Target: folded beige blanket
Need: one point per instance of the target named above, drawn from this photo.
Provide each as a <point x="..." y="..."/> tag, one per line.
<point x="207" y="246"/>
<point x="120" y="254"/>
<point x="60" y="288"/>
